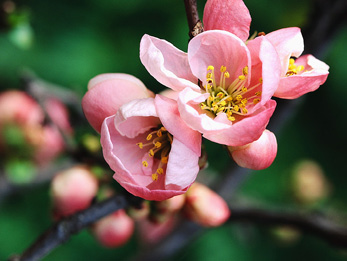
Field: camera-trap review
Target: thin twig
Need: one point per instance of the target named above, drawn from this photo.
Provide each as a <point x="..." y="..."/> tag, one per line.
<point x="194" y="23"/>
<point x="62" y="230"/>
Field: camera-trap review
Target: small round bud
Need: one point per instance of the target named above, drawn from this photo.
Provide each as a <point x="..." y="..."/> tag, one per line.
<point x="73" y="190"/>
<point x="205" y="207"/>
<point x="114" y="230"/>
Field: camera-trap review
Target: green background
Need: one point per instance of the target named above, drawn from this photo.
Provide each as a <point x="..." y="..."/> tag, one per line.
<point x="69" y="42"/>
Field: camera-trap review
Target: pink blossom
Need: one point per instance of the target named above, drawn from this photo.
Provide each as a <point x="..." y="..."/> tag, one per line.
<point x="299" y="76"/>
<point x="205" y="206"/>
<point x="256" y="155"/>
<point x="153" y="152"/>
<point x="107" y="92"/>
<point x="232" y="104"/>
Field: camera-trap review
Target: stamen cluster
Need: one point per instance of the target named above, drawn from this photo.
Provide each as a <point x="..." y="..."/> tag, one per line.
<point x="294" y="69"/>
<point x="230" y="99"/>
<point x="159" y="144"/>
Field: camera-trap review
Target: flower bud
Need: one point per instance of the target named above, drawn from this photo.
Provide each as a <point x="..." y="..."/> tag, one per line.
<point x="256" y="155"/>
<point x="114" y="230"/>
<point x="205" y="207"/>
<point x="309" y="182"/>
<point x="170" y="205"/>
<point x="139" y="213"/>
<point x="73" y="190"/>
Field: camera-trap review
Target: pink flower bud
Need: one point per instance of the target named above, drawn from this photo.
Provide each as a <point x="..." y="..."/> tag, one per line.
<point x="256" y="155"/>
<point x="205" y="207"/>
<point x="309" y="183"/>
<point x="152" y="232"/>
<point x="114" y="230"/>
<point x="73" y="190"/>
<point x="170" y="205"/>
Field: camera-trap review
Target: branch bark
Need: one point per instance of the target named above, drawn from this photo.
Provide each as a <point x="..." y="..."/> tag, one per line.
<point x="62" y="230"/>
<point x="194" y="23"/>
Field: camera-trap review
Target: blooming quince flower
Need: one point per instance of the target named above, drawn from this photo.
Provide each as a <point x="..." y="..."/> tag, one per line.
<point x="107" y="92"/>
<point x="299" y="76"/>
<point x="225" y="87"/>
<point x="153" y="152"/>
<point x="256" y="155"/>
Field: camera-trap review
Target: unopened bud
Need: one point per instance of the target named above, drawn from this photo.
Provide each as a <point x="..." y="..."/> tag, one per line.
<point x="73" y="190"/>
<point x="309" y="182"/>
<point x="205" y="207"/>
<point x="114" y="230"/>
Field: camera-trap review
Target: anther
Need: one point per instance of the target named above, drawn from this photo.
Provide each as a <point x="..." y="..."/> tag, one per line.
<point x="154" y="177"/>
<point x="145" y="163"/>
<point x="149" y="137"/>
<point x="140" y="144"/>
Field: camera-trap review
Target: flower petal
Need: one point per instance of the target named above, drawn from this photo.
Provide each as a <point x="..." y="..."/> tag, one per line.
<point x="188" y="106"/>
<point x="231" y="15"/>
<point x="245" y="131"/>
<point x="218" y="48"/>
<point x="170" y="118"/>
<point x="265" y="65"/>
<point x="257" y="155"/>
<point x="294" y="86"/>
<point x="107" y="92"/>
<point x="136" y="117"/>
<point x="167" y="64"/>
<point x="182" y="167"/>
<point x="288" y="42"/>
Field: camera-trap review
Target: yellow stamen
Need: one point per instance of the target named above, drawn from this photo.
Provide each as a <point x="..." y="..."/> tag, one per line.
<point x="164" y="160"/>
<point x="242" y="77"/>
<point x="160" y="171"/>
<point x="210" y="68"/>
<point x="151" y="153"/>
<point x="223" y="69"/>
<point x="245" y="70"/>
<point x="149" y="136"/>
<point x="140" y="144"/>
<point x="157" y="144"/>
<point x="155" y="177"/>
<point x="145" y="163"/>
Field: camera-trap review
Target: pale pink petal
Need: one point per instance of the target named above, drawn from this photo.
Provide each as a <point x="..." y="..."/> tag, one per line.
<point x="107" y="92"/>
<point x="167" y="64"/>
<point x="136" y="117"/>
<point x="265" y="65"/>
<point x="170" y="94"/>
<point x="218" y="48"/>
<point x="231" y="15"/>
<point x="288" y="42"/>
<point x="170" y="118"/>
<point x="182" y="167"/>
<point x="257" y="155"/>
<point x="294" y="86"/>
<point x="188" y="106"/>
<point x="245" y="131"/>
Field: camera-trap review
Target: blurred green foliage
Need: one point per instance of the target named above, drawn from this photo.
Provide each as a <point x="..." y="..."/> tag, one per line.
<point x="69" y="42"/>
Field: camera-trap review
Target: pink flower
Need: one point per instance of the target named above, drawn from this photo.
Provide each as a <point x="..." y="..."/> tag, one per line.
<point x="225" y="87"/>
<point x="299" y="76"/>
<point x="107" y="92"/>
<point x="256" y="155"/>
<point x="152" y="151"/>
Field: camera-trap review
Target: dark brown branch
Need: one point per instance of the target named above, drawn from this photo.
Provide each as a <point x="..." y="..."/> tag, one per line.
<point x="62" y="230"/>
<point x="317" y="225"/>
<point x="194" y="23"/>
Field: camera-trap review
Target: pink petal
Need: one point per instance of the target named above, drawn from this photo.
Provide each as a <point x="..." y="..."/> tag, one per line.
<point x="182" y="167"/>
<point x="246" y="130"/>
<point x="218" y="48"/>
<point x="231" y="15"/>
<point x="136" y="117"/>
<point x="265" y="64"/>
<point x="188" y="106"/>
<point x="170" y="94"/>
<point x="107" y="92"/>
<point x="294" y="86"/>
<point x="170" y="118"/>
<point x="167" y="64"/>
<point x="257" y="155"/>
<point x="288" y="42"/>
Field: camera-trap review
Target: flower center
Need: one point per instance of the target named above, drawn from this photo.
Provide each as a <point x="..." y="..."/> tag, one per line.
<point x="229" y="99"/>
<point x="294" y="69"/>
<point x="159" y="146"/>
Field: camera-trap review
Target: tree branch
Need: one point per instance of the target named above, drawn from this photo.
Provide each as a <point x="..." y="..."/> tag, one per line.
<point x="317" y="225"/>
<point x="194" y="23"/>
<point x="62" y="230"/>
